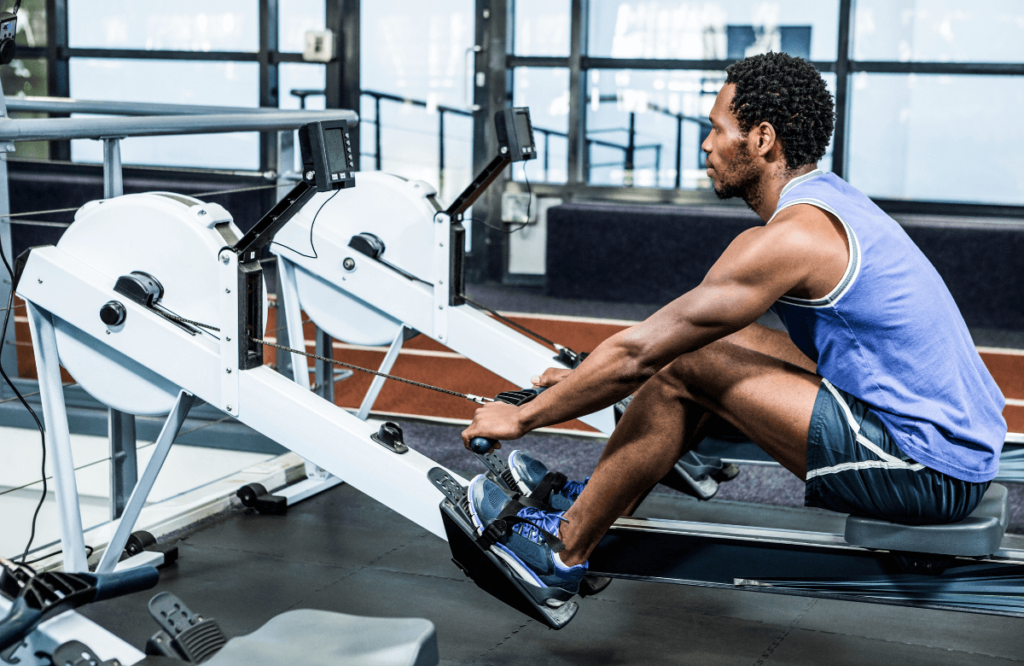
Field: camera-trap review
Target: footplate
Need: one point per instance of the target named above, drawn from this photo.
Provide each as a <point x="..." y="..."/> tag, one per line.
<point x="499" y="471"/>
<point x="490" y="572"/>
<point x="698" y="475"/>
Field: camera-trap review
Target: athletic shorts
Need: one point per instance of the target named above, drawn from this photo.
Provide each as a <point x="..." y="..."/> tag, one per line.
<point x="853" y="466"/>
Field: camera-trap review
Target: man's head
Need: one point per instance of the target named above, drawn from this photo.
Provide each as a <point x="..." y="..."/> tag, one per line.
<point x="774" y="113"/>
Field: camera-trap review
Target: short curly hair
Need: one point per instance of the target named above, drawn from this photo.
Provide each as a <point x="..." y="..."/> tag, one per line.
<point x="789" y="94"/>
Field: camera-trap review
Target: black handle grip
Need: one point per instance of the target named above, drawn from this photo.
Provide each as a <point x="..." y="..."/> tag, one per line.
<point x="481" y="445"/>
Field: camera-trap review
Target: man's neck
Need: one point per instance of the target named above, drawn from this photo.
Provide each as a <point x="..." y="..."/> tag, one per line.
<point x="770" y="188"/>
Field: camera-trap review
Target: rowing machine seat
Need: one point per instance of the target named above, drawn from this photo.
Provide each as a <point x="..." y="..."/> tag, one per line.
<point x="318" y="637"/>
<point x="977" y="535"/>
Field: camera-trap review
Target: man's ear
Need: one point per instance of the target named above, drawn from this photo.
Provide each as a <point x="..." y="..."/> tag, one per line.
<point x="765" y="138"/>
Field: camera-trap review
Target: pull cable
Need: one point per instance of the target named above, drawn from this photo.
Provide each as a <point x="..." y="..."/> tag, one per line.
<point x="468" y="396"/>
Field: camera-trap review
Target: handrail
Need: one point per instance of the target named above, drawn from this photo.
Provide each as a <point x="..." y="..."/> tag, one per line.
<point x="70" y="105"/>
<point x="44" y="129"/>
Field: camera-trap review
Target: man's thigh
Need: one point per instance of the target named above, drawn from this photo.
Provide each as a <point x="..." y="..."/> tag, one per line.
<point x="772" y="342"/>
<point x="770" y="400"/>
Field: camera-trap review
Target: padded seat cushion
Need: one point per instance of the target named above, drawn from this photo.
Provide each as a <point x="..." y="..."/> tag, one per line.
<point x="321" y="638"/>
<point x="977" y="535"/>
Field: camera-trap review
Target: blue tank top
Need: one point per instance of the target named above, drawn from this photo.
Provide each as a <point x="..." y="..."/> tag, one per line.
<point x="891" y="335"/>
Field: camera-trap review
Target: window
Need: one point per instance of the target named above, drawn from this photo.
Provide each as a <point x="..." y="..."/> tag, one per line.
<point x="21" y="78"/>
<point x="713" y="30"/>
<point x="546" y="92"/>
<point x="295" y="18"/>
<point x="939" y="30"/>
<point x="937" y="138"/>
<point x="171" y="81"/>
<point x="184" y="25"/>
<point x="541" y="28"/>
<point x="415" y="68"/>
<point x="293" y="77"/>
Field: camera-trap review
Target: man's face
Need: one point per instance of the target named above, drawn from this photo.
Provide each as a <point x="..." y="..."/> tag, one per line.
<point x="731" y="166"/>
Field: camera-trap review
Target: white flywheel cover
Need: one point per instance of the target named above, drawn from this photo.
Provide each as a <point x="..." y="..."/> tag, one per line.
<point x="400" y="212"/>
<point x="175" y="239"/>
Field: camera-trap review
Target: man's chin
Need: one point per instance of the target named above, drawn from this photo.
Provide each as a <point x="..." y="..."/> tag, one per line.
<point x="724" y="192"/>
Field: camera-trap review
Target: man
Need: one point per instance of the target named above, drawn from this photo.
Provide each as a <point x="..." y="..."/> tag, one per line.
<point x="877" y="397"/>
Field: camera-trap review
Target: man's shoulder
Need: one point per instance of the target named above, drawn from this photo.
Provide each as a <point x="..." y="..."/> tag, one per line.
<point x="798" y="226"/>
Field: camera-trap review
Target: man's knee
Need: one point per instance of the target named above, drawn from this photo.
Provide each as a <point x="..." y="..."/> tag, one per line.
<point x="687" y="376"/>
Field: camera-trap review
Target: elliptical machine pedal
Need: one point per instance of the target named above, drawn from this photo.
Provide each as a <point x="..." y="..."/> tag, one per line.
<point x="488" y="571"/>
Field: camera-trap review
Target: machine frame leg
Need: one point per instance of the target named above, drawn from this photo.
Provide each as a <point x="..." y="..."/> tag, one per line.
<point x="317" y="478"/>
<point x="292" y="312"/>
<point x="58" y="438"/>
<point x="378" y="382"/>
<point x="124" y="465"/>
<point x="138" y="499"/>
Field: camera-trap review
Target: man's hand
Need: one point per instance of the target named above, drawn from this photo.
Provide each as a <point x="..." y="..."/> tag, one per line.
<point x="550" y="377"/>
<point x="495" y="420"/>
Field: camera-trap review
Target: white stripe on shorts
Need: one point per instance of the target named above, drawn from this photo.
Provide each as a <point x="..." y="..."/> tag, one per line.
<point x="888" y="461"/>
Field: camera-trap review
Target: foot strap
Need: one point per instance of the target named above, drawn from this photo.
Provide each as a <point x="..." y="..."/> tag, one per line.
<point x="508" y="519"/>
<point x="552" y="482"/>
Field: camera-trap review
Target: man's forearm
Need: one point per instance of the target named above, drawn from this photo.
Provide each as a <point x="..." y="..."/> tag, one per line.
<point x="608" y="375"/>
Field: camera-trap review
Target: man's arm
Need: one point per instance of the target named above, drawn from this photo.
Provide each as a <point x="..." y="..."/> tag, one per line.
<point x="758" y="267"/>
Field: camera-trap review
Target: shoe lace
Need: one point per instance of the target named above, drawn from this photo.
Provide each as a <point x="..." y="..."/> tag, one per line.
<point x="545" y="520"/>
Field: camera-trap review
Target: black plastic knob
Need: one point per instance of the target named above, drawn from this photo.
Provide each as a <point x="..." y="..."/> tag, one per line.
<point x="113" y="313"/>
<point x="481" y="444"/>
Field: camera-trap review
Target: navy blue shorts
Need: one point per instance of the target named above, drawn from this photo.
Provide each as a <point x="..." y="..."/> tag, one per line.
<point x="853" y="466"/>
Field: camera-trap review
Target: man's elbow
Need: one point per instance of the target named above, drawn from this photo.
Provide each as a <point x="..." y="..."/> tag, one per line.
<point x="641" y="360"/>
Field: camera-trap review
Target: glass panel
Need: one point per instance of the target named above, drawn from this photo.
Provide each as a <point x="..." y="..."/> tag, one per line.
<point x="19" y="79"/>
<point x="541" y="28"/>
<point x="645" y="127"/>
<point x="939" y="30"/>
<point x="419" y="52"/>
<point x="546" y="92"/>
<point x="295" y="17"/>
<point x="726" y="29"/>
<point x="171" y="81"/>
<point x="937" y="138"/>
<point x="31" y="25"/>
<point x="185" y="25"/>
<point x="300" y="77"/>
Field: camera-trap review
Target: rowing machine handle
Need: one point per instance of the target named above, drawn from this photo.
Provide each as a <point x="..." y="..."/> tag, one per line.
<point x="482" y="445"/>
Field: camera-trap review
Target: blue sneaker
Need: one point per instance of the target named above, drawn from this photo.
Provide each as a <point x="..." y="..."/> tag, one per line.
<point x="530" y="545"/>
<point x="530" y="474"/>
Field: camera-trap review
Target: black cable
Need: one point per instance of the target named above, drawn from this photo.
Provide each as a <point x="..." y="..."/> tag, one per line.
<point x="21" y="398"/>
<point x="311" y="224"/>
<point x="495" y="313"/>
<point x="529" y="204"/>
<point x="89" y="550"/>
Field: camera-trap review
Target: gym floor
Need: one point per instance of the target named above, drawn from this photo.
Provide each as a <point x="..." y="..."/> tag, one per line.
<point x="342" y="551"/>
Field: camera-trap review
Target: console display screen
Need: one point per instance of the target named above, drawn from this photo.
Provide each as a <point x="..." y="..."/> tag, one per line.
<point x="523" y="130"/>
<point x="334" y="144"/>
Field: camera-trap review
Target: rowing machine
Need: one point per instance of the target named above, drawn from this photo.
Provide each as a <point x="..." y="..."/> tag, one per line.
<point x="154" y="301"/>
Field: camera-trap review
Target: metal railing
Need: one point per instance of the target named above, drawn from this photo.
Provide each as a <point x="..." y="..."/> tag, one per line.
<point x="631" y="147"/>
